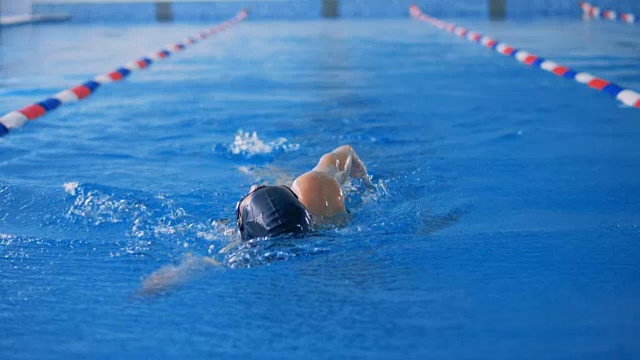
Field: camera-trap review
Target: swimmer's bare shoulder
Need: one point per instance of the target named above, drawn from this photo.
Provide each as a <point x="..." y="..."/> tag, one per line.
<point x="320" y="194"/>
<point x="319" y="189"/>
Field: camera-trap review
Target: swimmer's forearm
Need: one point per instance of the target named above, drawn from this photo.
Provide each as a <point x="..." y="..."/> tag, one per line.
<point x="211" y="261"/>
<point x="351" y="163"/>
<point x="358" y="169"/>
<point x="171" y="276"/>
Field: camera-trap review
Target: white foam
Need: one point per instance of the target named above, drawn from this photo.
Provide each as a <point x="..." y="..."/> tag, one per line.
<point x="6" y="239"/>
<point x="97" y="208"/>
<point x="70" y="187"/>
<point x="250" y="144"/>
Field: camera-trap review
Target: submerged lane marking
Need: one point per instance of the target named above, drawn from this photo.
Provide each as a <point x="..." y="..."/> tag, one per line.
<point x="626" y="96"/>
<point x="16" y="119"/>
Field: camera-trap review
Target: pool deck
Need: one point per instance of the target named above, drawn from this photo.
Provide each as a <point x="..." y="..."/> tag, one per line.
<point x="30" y="19"/>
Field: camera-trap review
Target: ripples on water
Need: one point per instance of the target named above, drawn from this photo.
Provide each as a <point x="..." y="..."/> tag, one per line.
<point x="190" y="243"/>
<point x="537" y="173"/>
<point x="147" y="223"/>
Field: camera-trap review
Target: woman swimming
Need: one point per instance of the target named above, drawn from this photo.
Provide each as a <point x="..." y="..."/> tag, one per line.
<point x="315" y="197"/>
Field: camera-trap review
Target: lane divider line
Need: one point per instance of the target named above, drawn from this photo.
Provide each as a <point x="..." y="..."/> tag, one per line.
<point x="592" y="11"/>
<point x="626" y="96"/>
<point x="16" y="119"/>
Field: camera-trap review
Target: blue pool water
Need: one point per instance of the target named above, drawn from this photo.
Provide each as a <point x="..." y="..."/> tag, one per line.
<point x="505" y="223"/>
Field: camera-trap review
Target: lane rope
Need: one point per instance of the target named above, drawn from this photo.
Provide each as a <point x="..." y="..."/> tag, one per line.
<point x="16" y="119"/>
<point x="592" y="11"/>
<point x="626" y="96"/>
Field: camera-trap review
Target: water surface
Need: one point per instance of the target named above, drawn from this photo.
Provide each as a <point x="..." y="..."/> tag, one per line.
<point x="509" y="227"/>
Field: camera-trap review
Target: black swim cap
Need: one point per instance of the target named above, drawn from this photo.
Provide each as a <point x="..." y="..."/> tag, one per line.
<point x="271" y="211"/>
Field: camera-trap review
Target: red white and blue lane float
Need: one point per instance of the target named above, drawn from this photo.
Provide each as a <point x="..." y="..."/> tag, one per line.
<point x="591" y="11"/>
<point x="16" y="119"/>
<point x="626" y="96"/>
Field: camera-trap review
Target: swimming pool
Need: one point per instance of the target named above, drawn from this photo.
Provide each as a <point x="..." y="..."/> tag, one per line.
<point x="505" y="223"/>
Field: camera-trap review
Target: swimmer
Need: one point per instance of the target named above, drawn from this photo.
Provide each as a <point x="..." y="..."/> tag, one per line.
<point x="314" y="197"/>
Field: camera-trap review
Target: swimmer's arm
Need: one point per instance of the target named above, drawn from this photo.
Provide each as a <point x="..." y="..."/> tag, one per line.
<point x="171" y="276"/>
<point x="349" y="163"/>
<point x="211" y="261"/>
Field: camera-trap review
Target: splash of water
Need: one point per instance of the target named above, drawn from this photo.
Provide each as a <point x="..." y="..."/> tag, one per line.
<point x="96" y="207"/>
<point x="359" y="193"/>
<point x="151" y="220"/>
<point x="157" y="221"/>
<point x="249" y="144"/>
<point x="6" y="239"/>
<point x="256" y="252"/>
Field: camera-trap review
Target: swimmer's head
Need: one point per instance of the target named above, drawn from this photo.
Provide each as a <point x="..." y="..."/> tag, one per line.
<point x="271" y="211"/>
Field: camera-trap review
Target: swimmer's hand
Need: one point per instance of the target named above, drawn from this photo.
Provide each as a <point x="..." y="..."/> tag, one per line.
<point x="349" y="165"/>
<point x="171" y="276"/>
